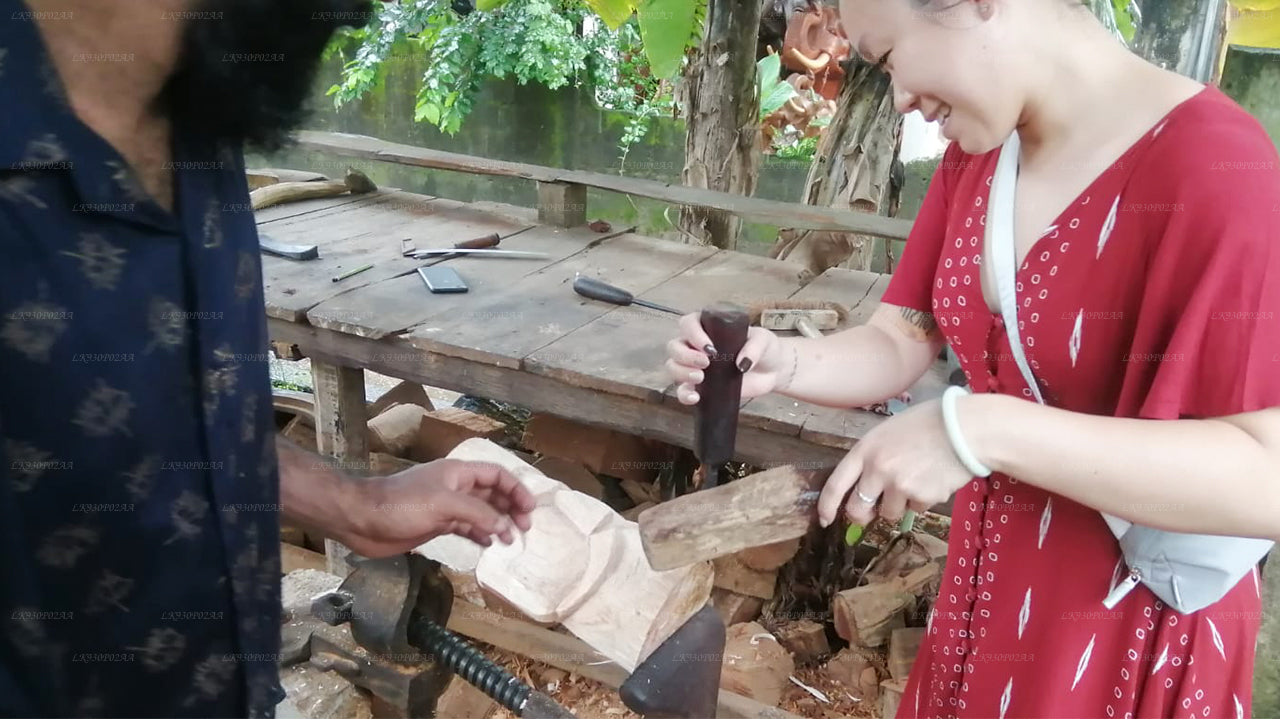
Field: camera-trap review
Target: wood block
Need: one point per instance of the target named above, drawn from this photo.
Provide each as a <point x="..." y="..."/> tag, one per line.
<point x="293" y="558"/>
<point x="869" y="683"/>
<point x="771" y="556"/>
<point x="767" y="507"/>
<point x="806" y="640"/>
<point x="602" y="451"/>
<point x="640" y="492"/>
<point x="735" y="607"/>
<point x="755" y="664"/>
<point x="574" y="474"/>
<point x="293" y="535"/>
<point x="847" y="666"/>
<point x="461" y="699"/>
<point x="562" y="204"/>
<point x="464" y="585"/>
<point x="382" y="464"/>
<point x="406" y="392"/>
<point x="580" y="565"/>
<point x="396" y="430"/>
<point x="867" y="615"/>
<point x="301" y="433"/>
<point x="444" y="429"/>
<point x="904" y="643"/>
<point x="891" y="697"/>
<point x="634" y="512"/>
<point x="731" y="574"/>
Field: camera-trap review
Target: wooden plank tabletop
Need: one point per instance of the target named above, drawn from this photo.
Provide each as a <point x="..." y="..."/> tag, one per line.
<point x="508" y="326"/>
<point x="623" y="351"/>
<point x="356" y="235"/>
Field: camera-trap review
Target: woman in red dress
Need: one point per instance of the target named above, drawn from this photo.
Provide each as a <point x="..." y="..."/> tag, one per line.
<point x="1147" y="237"/>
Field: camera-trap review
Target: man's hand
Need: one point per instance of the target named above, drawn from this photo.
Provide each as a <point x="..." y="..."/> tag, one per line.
<point x="471" y="499"/>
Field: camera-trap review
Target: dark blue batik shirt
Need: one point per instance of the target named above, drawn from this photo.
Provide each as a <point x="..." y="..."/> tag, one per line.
<point x="139" y="574"/>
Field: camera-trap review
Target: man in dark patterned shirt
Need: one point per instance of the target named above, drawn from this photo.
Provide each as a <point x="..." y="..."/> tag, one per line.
<point x="140" y="473"/>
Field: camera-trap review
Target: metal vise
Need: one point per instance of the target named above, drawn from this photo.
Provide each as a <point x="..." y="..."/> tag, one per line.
<point x="398" y="648"/>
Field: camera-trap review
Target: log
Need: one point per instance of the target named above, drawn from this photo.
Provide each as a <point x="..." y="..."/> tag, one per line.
<point x="755" y="664"/>
<point x="731" y="574"/>
<point x="847" y="666"/>
<point x="866" y="615"/>
<point x="405" y="392"/>
<point x="602" y="451"/>
<point x="293" y="558"/>
<point x="735" y="607"/>
<point x="444" y="429"/>
<point x="806" y="640"/>
<point x="771" y="506"/>
<point x="571" y="473"/>
<point x="771" y="556"/>
<point x="891" y="697"/>
<point x="580" y="565"/>
<point x="634" y="512"/>
<point x="571" y="654"/>
<point x="396" y="430"/>
<point x="355" y="182"/>
<point x="904" y="644"/>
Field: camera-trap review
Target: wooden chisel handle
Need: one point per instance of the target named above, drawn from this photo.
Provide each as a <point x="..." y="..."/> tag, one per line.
<point x="487" y="241"/>
<point x="720" y="392"/>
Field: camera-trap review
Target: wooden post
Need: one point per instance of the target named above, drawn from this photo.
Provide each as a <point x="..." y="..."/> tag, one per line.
<point x="341" y="431"/>
<point x="722" y="136"/>
<point x="562" y="204"/>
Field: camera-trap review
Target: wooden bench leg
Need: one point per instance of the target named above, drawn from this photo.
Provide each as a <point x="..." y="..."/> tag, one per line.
<point x="341" y="431"/>
<point x="562" y="204"/>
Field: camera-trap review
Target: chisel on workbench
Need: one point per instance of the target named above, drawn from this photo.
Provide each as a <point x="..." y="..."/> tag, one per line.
<point x="720" y="392"/>
<point x="601" y="290"/>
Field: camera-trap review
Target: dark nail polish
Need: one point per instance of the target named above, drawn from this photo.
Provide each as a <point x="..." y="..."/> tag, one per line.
<point x="709" y="349"/>
<point x="745" y="365"/>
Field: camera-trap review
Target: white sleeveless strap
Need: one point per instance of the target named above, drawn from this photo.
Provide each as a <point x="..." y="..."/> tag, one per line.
<point x="1004" y="270"/>
<point x="1003" y="256"/>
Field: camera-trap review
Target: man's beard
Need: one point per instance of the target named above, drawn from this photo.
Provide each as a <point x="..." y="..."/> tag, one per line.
<point x="247" y="66"/>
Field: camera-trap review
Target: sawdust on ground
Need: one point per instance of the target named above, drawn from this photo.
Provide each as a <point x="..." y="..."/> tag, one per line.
<point x="587" y="698"/>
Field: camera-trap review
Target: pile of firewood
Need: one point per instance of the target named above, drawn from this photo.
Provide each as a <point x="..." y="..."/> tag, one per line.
<point x="845" y="648"/>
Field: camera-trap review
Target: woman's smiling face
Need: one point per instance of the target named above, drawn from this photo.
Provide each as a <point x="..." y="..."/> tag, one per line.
<point x="949" y="59"/>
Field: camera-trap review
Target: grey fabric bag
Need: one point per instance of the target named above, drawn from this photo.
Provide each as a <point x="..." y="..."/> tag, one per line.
<point x="1188" y="572"/>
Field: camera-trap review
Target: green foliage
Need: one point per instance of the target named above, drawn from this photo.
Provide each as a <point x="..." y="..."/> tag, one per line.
<point x="774" y="91"/>
<point x="802" y="149"/>
<point x="1121" y="17"/>
<point x="628" y="51"/>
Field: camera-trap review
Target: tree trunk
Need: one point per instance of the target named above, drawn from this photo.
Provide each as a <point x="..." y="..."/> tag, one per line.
<point x="1182" y="35"/>
<point x="723" y="118"/>
<point x="854" y="168"/>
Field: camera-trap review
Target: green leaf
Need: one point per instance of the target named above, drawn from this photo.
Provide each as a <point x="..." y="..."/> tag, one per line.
<point x="853" y="535"/>
<point x="666" y="27"/>
<point x="613" y="12"/>
<point x="487" y="5"/>
<point x="774" y="93"/>
<point x="429" y="112"/>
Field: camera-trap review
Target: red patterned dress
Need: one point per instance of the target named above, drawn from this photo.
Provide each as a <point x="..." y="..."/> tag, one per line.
<point x="1155" y="294"/>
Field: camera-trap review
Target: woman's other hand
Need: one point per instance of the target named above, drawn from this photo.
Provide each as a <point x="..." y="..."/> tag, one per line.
<point x="764" y="360"/>
<point x="905" y="463"/>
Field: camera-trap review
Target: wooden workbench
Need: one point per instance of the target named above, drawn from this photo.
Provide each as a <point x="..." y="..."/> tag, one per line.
<point x="521" y="335"/>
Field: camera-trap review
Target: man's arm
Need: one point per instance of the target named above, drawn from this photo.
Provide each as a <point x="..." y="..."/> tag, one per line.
<point x="380" y="516"/>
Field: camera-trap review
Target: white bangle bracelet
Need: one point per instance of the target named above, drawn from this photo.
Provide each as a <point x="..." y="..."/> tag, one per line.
<point x="961" y="448"/>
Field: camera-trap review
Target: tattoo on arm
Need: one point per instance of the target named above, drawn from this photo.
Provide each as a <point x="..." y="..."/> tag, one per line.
<point x="924" y="322"/>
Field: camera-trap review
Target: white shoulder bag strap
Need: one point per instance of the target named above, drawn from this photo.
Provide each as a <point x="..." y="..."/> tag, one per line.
<point x="1003" y="257"/>
<point x="1004" y="271"/>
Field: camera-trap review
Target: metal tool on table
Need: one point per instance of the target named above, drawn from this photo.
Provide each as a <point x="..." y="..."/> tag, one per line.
<point x="600" y="290"/>
<point x="271" y="246"/>
<point x="720" y="392"/>
<point x="481" y="252"/>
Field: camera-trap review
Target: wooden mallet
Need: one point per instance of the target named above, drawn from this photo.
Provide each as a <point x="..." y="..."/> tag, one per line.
<point x="771" y="506"/>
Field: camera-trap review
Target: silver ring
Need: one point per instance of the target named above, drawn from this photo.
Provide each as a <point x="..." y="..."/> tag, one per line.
<point x="864" y="498"/>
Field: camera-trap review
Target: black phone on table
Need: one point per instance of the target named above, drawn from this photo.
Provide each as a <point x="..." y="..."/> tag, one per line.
<point x="442" y="279"/>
